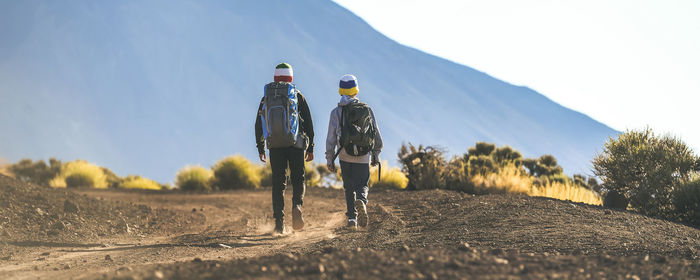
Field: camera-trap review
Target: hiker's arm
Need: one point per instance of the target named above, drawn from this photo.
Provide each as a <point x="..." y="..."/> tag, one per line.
<point x="308" y="122"/>
<point x="332" y="137"/>
<point x="259" y="140"/>
<point x="378" y="143"/>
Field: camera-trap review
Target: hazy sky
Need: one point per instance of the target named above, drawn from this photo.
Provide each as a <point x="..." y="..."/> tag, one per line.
<point x="627" y="64"/>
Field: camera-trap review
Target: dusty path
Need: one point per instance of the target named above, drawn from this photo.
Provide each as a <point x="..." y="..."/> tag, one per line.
<point x="234" y="225"/>
<point x="412" y="235"/>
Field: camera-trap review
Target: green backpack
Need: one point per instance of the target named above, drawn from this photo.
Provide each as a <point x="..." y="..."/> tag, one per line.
<point x="357" y="131"/>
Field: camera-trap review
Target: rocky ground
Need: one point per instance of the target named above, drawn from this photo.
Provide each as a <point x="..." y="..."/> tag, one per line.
<point x="412" y="235"/>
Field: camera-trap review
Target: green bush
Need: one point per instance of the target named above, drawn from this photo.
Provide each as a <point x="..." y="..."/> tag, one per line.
<point x="38" y="172"/>
<point x="456" y="176"/>
<point x="79" y="180"/>
<point x="481" y="149"/>
<point x="687" y="202"/>
<point x="80" y="173"/>
<point x="507" y="155"/>
<point x="194" y="178"/>
<point x="481" y="165"/>
<point x="645" y="169"/>
<point x="236" y="172"/>
<point x="423" y="166"/>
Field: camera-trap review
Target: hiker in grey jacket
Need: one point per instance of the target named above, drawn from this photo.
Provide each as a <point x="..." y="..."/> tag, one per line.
<point x="355" y="163"/>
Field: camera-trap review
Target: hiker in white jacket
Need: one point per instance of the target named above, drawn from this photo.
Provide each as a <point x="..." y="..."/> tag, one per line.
<point x="363" y="143"/>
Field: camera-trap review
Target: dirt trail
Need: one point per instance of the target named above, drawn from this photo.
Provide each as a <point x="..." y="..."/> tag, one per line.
<point x="411" y="235"/>
<point x="234" y="225"/>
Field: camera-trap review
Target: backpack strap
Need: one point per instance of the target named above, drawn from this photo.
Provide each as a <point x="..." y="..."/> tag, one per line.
<point x="342" y="114"/>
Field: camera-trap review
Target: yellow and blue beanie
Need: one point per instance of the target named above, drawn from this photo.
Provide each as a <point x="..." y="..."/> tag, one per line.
<point x="348" y="85"/>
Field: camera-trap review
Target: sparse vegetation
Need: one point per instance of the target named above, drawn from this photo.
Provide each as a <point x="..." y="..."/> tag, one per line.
<point x="80" y="174"/>
<point x="687" y="202"/>
<point x="486" y="169"/>
<point x="644" y="169"/>
<point x="423" y="166"/>
<point x="138" y="182"/>
<point x="236" y="172"/>
<point x="392" y="177"/>
<point x="194" y="178"/>
<point x="35" y="172"/>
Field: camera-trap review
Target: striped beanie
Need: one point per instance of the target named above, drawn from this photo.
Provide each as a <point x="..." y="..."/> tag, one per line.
<point x="284" y="73"/>
<point x="348" y="85"/>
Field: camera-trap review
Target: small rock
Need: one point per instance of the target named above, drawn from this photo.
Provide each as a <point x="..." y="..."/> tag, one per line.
<point x="263" y="268"/>
<point x="70" y="207"/>
<point x="194" y="209"/>
<point x="108" y="258"/>
<point x="45" y="254"/>
<point x="497" y="251"/>
<point x="40" y="212"/>
<point x="66" y="267"/>
<point x="125" y="268"/>
<point x="464" y="247"/>
<point x="321" y="268"/>
<point x="55" y="269"/>
<point x="500" y="261"/>
<point x="36" y="267"/>
<point x="41" y="259"/>
<point x="405" y="248"/>
<point x="197" y="260"/>
<point x="607" y="212"/>
<point x="224" y="246"/>
<point x="158" y="274"/>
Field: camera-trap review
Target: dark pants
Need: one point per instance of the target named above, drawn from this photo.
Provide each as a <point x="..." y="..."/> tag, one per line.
<point x="356" y="184"/>
<point x="280" y="159"/>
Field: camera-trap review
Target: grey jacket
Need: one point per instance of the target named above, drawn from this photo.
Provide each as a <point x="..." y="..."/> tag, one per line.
<point x="333" y="138"/>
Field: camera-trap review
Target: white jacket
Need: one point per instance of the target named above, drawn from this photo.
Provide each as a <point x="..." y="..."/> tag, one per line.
<point x="333" y="138"/>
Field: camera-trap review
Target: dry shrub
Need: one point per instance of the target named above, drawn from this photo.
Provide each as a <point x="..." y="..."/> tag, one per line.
<point x="80" y="173"/>
<point x="193" y="178"/>
<point x="138" y="182"/>
<point x="508" y="179"/>
<point x="392" y="177"/>
<point x="511" y="179"/>
<point x="4" y="164"/>
<point x="236" y="172"/>
<point x="566" y="191"/>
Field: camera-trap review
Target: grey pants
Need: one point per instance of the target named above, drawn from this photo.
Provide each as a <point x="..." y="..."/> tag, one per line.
<point x="356" y="183"/>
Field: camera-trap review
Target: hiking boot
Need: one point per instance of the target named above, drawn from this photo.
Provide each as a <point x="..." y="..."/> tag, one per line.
<point x="297" y="219"/>
<point x="279" y="226"/>
<point x="361" y="209"/>
<point x="352" y="224"/>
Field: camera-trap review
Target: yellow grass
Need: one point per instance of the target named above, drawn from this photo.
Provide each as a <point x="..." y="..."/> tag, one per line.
<point x="193" y="178"/>
<point x="80" y="168"/>
<point x="4" y="164"/>
<point x="234" y="172"/>
<point x="566" y="191"/>
<point x="138" y="182"/>
<point x="511" y="179"/>
<point x="392" y="177"/>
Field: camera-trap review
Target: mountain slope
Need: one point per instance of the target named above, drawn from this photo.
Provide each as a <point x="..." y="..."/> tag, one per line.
<point x="149" y="87"/>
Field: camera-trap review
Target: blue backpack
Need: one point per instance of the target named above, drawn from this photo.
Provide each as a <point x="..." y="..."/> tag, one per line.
<point x="280" y="119"/>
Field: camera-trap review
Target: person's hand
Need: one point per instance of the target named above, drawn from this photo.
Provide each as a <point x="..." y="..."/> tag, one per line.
<point x="331" y="167"/>
<point x="375" y="160"/>
<point x="263" y="157"/>
<point x="309" y="156"/>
